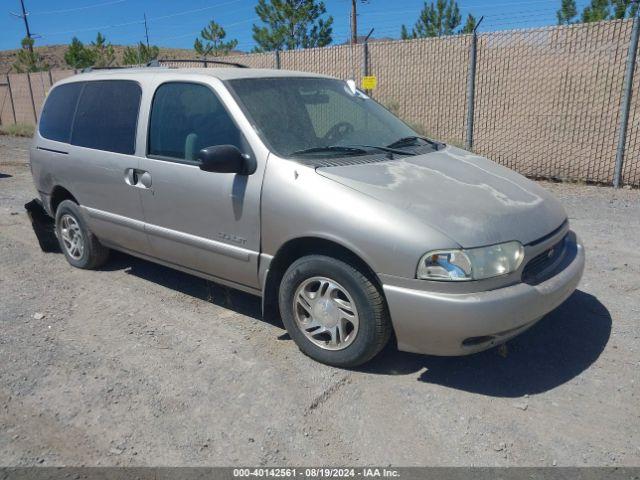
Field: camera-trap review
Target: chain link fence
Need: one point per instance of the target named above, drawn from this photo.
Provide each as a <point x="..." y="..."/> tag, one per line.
<point x="547" y="101"/>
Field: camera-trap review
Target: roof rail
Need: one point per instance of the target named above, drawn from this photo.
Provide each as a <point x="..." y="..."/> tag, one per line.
<point x="90" y="69"/>
<point x="152" y="63"/>
<point x="204" y="62"/>
<point x="158" y="63"/>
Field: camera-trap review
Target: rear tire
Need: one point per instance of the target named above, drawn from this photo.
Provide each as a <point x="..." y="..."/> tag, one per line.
<point x="334" y="313"/>
<point x="81" y="248"/>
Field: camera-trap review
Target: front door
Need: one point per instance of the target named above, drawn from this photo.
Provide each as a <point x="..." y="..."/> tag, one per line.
<point x="207" y="222"/>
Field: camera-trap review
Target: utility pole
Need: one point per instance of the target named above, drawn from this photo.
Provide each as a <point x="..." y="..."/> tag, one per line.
<point x="26" y="23"/>
<point x="354" y="22"/>
<point x="146" y="29"/>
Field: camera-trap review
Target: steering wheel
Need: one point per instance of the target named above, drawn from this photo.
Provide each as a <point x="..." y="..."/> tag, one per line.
<point x="338" y="132"/>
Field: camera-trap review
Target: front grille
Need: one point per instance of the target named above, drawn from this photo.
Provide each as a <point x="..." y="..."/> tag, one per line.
<point x="538" y="264"/>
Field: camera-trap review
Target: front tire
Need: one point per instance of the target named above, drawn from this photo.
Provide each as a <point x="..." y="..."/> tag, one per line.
<point x="81" y="248"/>
<point x="334" y="313"/>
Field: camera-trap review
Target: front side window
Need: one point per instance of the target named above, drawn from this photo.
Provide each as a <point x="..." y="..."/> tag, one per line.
<point x="57" y="114"/>
<point x="107" y="116"/>
<point x="187" y="117"/>
<point x="294" y="114"/>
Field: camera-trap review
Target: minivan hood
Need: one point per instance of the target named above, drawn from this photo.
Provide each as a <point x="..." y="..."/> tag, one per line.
<point x="472" y="200"/>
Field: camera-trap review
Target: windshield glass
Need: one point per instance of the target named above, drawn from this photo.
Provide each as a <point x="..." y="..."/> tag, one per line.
<point x="297" y="114"/>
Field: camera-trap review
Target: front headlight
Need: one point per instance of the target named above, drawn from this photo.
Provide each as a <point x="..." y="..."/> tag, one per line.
<point x="472" y="263"/>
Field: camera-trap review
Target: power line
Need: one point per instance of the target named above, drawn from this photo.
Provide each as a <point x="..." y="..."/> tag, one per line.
<point x="510" y="4"/>
<point x="198" y="31"/>
<point x="385" y="25"/>
<point x="139" y="22"/>
<point x="86" y="7"/>
<point x="190" y="24"/>
<point x="92" y="29"/>
<point x="195" y="10"/>
<point x="398" y="12"/>
<point x="528" y="14"/>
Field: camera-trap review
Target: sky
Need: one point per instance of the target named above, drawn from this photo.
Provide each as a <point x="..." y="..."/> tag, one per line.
<point x="177" y="23"/>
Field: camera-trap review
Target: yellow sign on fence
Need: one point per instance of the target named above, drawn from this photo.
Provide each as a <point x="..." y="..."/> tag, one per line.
<point x="370" y="82"/>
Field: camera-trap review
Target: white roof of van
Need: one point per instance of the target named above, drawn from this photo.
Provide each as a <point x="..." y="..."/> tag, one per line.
<point x="220" y="73"/>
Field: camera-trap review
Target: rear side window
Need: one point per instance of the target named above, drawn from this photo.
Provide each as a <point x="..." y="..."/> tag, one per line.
<point x="186" y="117"/>
<point x="107" y="116"/>
<point x="57" y="114"/>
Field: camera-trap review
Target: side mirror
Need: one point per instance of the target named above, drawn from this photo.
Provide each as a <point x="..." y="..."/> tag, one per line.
<point x="226" y="159"/>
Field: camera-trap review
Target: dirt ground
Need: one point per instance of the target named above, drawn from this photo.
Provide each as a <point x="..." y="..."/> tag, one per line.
<point x="137" y="364"/>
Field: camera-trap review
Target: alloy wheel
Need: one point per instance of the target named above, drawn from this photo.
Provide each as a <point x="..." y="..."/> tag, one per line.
<point x="326" y="313"/>
<point x="72" y="236"/>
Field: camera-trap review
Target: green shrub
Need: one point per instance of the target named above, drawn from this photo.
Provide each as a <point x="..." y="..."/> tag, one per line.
<point x="17" y="130"/>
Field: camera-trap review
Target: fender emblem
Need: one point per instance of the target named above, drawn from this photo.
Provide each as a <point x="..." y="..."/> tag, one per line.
<point x="228" y="237"/>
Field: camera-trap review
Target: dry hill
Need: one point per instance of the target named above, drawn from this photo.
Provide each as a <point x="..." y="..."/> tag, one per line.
<point x="53" y="55"/>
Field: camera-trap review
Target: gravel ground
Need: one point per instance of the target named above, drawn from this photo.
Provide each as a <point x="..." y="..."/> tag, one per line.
<point x="137" y="364"/>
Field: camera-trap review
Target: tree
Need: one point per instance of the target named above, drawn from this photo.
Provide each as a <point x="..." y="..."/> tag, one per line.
<point x="103" y="52"/>
<point x="435" y="20"/>
<point x="212" y="42"/>
<point x="470" y="24"/>
<point x="292" y="24"/>
<point x="567" y="13"/>
<point x="77" y="55"/>
<point x="140" y="55"/>
<point x="27" y="59"/>
<point x="596" y="11"/>
<point x="624" y="8"/>
<point x="599" y="10"/>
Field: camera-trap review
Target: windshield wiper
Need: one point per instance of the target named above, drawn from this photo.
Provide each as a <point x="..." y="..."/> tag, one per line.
<point x="332" y="148"/>
<point x="351" y="150"/>
<point x="385" y="149"/>
<point x="411" y="141"/>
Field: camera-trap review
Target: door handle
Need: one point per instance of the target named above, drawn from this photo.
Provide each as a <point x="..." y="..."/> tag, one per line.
<point x="131" y="177"/>
<point x="137" y="178"/>
<point x="145" y="179"/>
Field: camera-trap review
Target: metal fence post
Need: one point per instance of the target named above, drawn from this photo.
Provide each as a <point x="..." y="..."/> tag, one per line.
<point x="13" y="106"/>
<point x="365" y="62"/>
<point x="626" y="100"/>
<point x="33" y="103"/>
<point x="365" y="59"/>
<point x="471" y="86"/>
<point x="277" y="58"/>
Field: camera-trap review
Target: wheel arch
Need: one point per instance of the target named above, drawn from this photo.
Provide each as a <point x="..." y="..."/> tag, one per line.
<point x="297" y="248"/>
<point x="58" y="195"/>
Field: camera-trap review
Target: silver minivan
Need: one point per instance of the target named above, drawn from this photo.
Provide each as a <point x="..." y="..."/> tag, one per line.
<point x="301" y="189"/>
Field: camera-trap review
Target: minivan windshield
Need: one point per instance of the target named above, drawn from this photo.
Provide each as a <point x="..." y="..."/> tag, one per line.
<point x="317" y="116"/>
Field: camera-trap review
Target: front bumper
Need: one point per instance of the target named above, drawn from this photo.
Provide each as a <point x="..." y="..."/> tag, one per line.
<point x="448" y="324"/>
